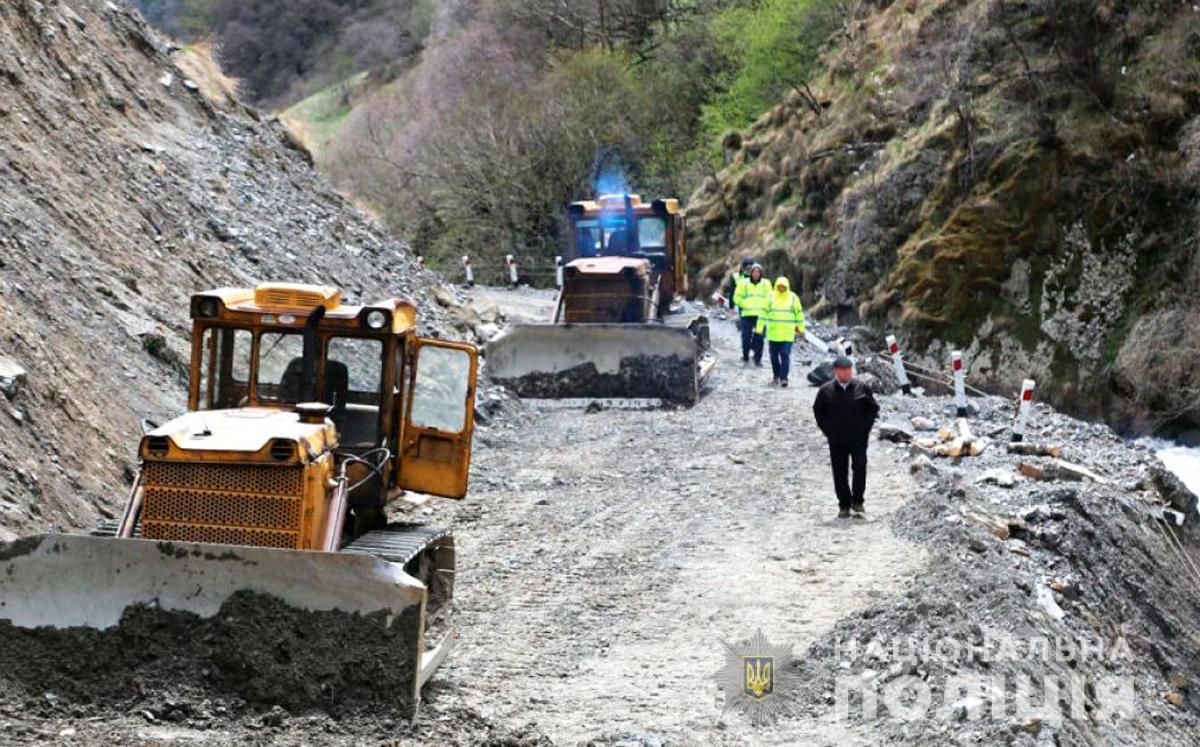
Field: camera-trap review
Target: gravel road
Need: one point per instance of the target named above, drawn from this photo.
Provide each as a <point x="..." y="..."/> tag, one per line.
<point x="603" y="557"/>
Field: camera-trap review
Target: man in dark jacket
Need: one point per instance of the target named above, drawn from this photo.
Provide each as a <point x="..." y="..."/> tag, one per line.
<point x="846" y="411"/>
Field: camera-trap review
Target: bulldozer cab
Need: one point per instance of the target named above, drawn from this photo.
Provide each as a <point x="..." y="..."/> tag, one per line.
<point x="278" y="346"/>
<point x="624" y="226"/>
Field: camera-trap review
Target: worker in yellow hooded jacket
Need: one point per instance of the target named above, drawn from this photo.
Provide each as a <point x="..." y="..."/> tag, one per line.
<point x="782" y="320"/>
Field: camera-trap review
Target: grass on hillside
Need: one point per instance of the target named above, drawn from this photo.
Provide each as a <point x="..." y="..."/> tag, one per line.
<point x="316" y="119"/>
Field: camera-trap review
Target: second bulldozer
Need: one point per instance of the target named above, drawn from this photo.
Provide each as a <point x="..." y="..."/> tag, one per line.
<point x="617" y="330"/>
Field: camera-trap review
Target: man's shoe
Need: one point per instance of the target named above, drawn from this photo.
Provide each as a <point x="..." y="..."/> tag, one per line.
<point x="844" y="513"/>
<point x="783" y="383"/>
<point x="858" y="512"/>
<point x="758" y="364"/>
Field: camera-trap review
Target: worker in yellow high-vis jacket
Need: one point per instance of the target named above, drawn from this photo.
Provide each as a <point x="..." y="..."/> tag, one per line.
<point x="782" y="320"/>
<point x="751" y="300"/>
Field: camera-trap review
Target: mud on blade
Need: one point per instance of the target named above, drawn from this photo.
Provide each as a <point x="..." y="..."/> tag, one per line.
<point x="293" y="628"/>
<point x="597" y="360"/>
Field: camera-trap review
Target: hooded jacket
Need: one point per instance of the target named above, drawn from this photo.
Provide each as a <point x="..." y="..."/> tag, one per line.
<point x="783" y="317"/>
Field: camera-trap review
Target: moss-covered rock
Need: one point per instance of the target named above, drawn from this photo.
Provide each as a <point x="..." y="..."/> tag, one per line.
<point x="1018" y="180"/>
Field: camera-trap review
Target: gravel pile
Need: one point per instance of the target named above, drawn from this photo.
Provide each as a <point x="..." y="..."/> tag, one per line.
<point x="1085" y="565"/>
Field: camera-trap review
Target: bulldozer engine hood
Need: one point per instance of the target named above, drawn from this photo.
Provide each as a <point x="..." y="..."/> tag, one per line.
<point x="245" y="430"/>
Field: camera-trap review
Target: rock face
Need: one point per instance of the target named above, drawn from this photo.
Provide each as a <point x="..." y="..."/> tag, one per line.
<point x="1017" y="180"/>
<point x="126" y="184"/>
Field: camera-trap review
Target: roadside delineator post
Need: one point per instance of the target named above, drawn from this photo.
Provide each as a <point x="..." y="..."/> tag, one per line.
<point x="960" y="384"/>
<point x="842" y="346"/>
<point x="421" y="262"/>
<point x="1027" y="387"/>
<point x="512" y="269"/>
<point x="558" y="272"/>
<point x="468" y="271"/>
<point x="898" y="363"/>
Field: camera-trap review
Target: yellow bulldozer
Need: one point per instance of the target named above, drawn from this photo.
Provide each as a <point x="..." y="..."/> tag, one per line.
<point x="616" y="331"/>
<point x="306" y="418"/>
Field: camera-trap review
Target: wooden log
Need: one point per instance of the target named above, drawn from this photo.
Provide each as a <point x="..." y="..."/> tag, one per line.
<point x="1024" y="448"/>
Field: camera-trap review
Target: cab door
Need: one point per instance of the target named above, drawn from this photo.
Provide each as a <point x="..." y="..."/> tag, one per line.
<point x="439" y="417"/>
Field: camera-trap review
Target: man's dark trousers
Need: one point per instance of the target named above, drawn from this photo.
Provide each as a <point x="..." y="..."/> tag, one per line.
<point x="781" y="359"/>
<point x="842" y="457"/>
<point x="751" y="342"/>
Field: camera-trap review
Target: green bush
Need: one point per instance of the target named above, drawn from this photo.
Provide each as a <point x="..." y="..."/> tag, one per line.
<point x="772" y="47"/>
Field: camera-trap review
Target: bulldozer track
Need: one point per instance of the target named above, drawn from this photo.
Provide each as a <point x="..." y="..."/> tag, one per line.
<point x="396" y="543"/>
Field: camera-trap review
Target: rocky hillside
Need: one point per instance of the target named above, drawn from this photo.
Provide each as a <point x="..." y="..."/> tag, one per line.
<point x="130" y="178"/>
<point x="1019" y="179"/>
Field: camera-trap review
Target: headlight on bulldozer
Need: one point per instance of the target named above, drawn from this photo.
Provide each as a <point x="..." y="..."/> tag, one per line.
<point x="377" y="319"/>
<point x="208" y="308"/>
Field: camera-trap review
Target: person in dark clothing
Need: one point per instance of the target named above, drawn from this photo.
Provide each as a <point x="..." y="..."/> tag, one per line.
<point x="846" y="411"/>
<point x="735" y="281"/>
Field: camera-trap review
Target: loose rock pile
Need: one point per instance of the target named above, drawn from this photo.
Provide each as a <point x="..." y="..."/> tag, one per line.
<point x="124" y="188"/>
<point x="1063" y="541"/>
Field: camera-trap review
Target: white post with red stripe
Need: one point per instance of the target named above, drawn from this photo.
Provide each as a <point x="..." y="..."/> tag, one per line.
<point x="960" y="384"/>
<point x="558" y="272"/>
<point x="421" y="262"/>
<point x="1027" y="388"/>
<point x="898" y="364"/>
<point x="512" y="269"/>
<point x="843" y="347"/>
<point x="468" y="271"/>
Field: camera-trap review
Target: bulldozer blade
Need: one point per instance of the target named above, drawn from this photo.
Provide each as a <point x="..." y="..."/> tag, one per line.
<point x="567" y="361"/>
<point x="360" y="608"/>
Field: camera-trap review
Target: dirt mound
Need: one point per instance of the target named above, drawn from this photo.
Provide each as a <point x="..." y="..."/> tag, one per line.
<point x="124" y="189"/>
<point x="256" y="650"/>
<point x="1079" y="582"/>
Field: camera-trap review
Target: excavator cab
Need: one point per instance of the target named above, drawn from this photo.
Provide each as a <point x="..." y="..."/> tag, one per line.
<point x="306" y="418"/>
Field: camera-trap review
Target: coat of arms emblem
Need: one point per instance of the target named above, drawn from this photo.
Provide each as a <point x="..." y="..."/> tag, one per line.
<point x="755" y="677"/>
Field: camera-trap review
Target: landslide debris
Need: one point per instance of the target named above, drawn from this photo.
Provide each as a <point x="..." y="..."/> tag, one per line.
<point x="130" y="177"/>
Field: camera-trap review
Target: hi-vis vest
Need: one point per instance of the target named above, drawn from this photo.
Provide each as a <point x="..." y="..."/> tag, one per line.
<point x="751" y="297"/>
<point x="783" y="315"/>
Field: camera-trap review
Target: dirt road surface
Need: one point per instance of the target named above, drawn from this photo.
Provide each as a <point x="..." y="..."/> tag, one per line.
<point x="603" y="557"/>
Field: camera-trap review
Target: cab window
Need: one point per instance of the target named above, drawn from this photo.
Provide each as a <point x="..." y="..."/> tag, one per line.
<point x="440" y="390"/>
<point x="224" y="368"/>
<point x="353" y="381"/>
<point x="280" y="367"/>
<point x="652" y="233"/>
<point x="589" y="239"/>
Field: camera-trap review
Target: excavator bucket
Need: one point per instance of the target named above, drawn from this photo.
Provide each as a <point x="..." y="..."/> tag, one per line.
<point x="286" y="627"/>
<point x="599" y="361"/>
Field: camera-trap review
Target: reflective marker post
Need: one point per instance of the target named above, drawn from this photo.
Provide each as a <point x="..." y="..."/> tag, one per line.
<point x="1027" y="387"/>
<point x="960" y="385"/>
<point x="421" y="262"/>
<point x="470" y="273"/>
<point x="512" y="269"/>
<point x="842" y="346"/>
<point x="558" y="272"/>
<point x="898" y="363"/>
